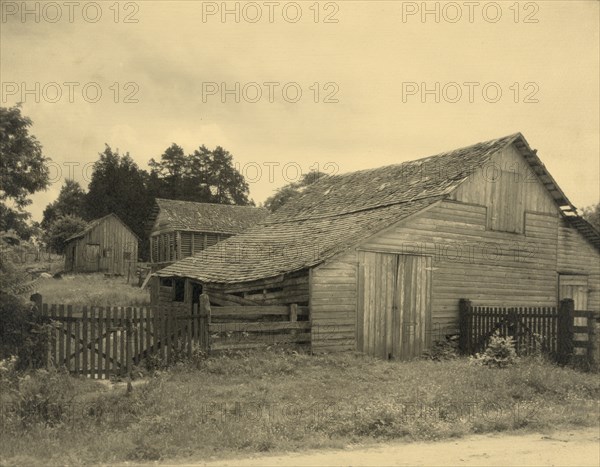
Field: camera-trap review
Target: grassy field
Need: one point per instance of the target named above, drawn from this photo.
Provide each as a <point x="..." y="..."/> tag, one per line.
<point x="283" y="401"/>
<point x="92" y="289"/>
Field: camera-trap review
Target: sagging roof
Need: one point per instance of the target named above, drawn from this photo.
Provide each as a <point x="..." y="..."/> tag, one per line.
<point x="93" y="223"/>
<point x="338" y="212"/>
<point x="173" y="215"/>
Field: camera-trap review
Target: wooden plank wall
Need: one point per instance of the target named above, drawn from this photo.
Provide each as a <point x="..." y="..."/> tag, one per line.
<point x="577" y="256"/>
<point x="333" y="299"/>
<point x="114" y="238"/>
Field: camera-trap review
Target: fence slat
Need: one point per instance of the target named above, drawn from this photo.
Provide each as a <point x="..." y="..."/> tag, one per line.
<point x="85" y="340"/>
<point x="122" y="357"/>
<point x="135" y="328"/>
<point x="68" y="338"/>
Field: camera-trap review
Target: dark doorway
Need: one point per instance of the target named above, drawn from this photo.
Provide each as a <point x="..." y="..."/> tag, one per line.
<point x="196" y="292"/>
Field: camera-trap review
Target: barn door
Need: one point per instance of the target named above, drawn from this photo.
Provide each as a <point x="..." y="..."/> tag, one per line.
<point x="575" y="287"/>
<point x="394" y="304"/>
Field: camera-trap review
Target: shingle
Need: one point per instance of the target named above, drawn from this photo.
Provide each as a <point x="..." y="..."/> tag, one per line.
<point x="207" y="217"/>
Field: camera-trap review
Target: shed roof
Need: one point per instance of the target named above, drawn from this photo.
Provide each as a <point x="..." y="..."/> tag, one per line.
<point x="204" y="217"/>
<point x="94" y="223"/>
<point x="337" y="212"/>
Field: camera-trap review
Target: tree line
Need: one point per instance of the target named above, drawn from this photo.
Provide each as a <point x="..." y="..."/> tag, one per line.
<point x="117" y="184"/>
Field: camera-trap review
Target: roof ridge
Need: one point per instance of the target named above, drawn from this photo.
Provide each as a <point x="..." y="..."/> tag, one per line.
<point x="510" y="139"/>
<point x="207" y="204"/>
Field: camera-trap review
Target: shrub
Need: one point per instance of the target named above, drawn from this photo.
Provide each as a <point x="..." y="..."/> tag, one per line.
<point x="441" y="350"/>
<point x="23" y="332"/>
<point x="42" y="396"/>
<point x="500" y="352"/>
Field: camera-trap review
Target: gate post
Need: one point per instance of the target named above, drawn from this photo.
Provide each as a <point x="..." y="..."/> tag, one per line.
<point x="204" y="307"/>
<point x="464" y="343"/>
<point x="566" y="317"/>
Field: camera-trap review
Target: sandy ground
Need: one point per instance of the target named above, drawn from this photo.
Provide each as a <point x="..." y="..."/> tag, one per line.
<point x="572" y="448"/>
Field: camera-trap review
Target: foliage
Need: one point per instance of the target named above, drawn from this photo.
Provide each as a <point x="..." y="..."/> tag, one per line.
<point x="292" y="190"/>
<point x="442" y="350"/>
<point x="38" y="397"/>
<point x="592" y="215"/>
<point x="70" y="202"/>
<point x="206" y="175"/>
<point x="23" y="332"/>
<point x="10" y="274"/>
<point x="118" y="186"/>
<point x="500" y="352"/>
<point x="23" y="169"/>
<point x="61" y="229"/>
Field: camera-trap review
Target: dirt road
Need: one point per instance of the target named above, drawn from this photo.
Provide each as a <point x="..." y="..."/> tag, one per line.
<point x="572" y="448"/>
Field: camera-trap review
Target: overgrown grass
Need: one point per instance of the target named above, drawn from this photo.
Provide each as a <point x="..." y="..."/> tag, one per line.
<point x="92" y="289"/>
<point x="278" y="401"/>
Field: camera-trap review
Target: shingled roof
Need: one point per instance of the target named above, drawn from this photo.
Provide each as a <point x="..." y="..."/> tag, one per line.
<point x="338" y="212"/>
<point x="175" y="215"/>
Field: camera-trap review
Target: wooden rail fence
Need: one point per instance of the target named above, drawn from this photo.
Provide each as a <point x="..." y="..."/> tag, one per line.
<point x="565" y="333"/>
<point x="108" y="341"/>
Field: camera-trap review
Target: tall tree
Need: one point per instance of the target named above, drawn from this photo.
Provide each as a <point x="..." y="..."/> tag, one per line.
<point x="119" y="186"/>
<point x="170" y="171"/>
<point x="290" y="191"/>
<point x="203" y="176"/>
<point x="23" y="169"/>
<point x="70" y="202"/>
<point x="60" y="230"/>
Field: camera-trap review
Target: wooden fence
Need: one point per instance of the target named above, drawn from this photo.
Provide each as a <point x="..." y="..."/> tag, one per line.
<point x="565" y="333"/>
<point x="108" y="341"/>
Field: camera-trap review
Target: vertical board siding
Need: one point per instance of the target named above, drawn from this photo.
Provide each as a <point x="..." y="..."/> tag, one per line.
<point x="499" y="268"/>
<point x="510" y="187"/>
<point x="109" y="241"/>
<point x="394" y="306"/>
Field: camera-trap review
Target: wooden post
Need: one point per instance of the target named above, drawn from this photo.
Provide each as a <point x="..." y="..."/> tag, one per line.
<point x="293" y="316"/>
<point x="591" y="335"/>
<point x="294" y="312"/>
<point x="36" y="298"/>
<point x="204" y="322"/>
<point x="464" y="306"/>
<point x="566" y="318"/>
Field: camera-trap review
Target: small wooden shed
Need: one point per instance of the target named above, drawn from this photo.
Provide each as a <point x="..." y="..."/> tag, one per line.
<point x="105" y="245"/>
<point x="383" y="256"/>
<point x="179" y="229"/>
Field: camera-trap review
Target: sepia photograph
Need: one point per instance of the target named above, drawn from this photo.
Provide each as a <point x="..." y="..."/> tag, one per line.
<point x="300" y="233"/>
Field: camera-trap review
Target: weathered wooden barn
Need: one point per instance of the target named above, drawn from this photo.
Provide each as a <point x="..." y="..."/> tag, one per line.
<point x="179" y="229"/>
<point x="105" y="245"/>
<point x="383" y="256"/>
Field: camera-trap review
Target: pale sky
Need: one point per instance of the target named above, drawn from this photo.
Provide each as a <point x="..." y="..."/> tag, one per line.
<point x="375" y="61"/>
